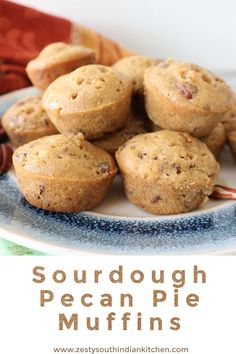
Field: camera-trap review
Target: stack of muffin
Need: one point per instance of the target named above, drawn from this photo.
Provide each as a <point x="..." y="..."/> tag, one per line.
<point x="163" y="122"/>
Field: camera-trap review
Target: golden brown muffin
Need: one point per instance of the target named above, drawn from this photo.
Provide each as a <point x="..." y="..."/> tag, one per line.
<point x="230" y="114"/>
<point x="26" y="120"/>
<point x="55" y="60"/>
<point x="231" y="136"/>
<point x="229" y="121"/>
<point x="185" y="97"/>
<point x="93" y="100"/>
<point x="63" y="174"/>
<point x="133" y="68"/>
<point x="167" y="172"/>
<point x="111" y="142"/>
<point x="215" y="141"/>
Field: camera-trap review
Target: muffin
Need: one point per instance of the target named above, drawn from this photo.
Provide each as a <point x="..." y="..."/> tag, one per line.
<point x="215" y="141"/>
<point x="229" y="115"/>
<point x="133" y="68"/>
<point x="229" y="121"/>
<point x="231" y="136"/>
<point x="185" y="97"/>
<point x="111" y="142"/>
<point x="63" y="174"/>
<point x="26" y="120"/>
<point x="93" y="100"/>
<point x="55" y="60"/>
<point x="167" y="172"/>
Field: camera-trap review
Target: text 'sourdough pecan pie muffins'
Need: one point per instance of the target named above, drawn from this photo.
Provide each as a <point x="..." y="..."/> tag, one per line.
<point x="133" y="68"/>
<point x="111" y="142"/>
<point x="55" y="60"/>
<point x="185" y="97"/>
<point x="26" y="120"/>
<point x="93" y="100"/>
<point x="167" y="172"/>
<point x="63" y="174"/>
<point x="216" y="139"/>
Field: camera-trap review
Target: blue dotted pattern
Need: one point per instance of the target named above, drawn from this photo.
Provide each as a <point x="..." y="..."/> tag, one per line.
<point x="205" y="232"/>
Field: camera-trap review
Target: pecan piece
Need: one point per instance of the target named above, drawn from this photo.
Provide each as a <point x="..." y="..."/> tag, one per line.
<point x="156" y="198"/>
<point x="104" y="167"/>
<point x="185" y="91"/>
<point x="223" y="192"/>
<point x="141" y="155"/>
<point x="41" y="189"/>
<point x="177" y="167"/>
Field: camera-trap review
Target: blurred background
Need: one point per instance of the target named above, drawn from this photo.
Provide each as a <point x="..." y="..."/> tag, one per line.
<point x="202" y="31"/>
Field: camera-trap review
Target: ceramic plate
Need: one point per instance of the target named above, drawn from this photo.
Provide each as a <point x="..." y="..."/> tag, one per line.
<point x="116" y="226"/>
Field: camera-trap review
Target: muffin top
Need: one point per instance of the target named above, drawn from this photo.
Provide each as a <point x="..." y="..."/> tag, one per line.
<point x="167" y="155"/>
<point x="58" y="52"/>
<point x="133" y="68"/>
<point x="87" y="88"/>
<point x="27" y="115"/>
<point x="111" y="142"/>
<point x="65" y="157"/>
<point x="189" y="85"/>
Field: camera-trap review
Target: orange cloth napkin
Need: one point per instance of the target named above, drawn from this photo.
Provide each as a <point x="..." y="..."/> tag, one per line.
<point x="25" y="31"/>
